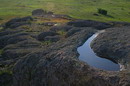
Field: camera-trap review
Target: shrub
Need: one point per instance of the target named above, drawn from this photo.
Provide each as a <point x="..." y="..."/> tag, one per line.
<point x="102" y="11"/>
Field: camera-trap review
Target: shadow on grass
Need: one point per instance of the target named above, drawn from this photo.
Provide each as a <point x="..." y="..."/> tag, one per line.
<point x="109" y="16"/>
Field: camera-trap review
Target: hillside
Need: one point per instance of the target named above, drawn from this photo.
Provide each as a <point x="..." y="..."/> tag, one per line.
<point x="118" y="10"/>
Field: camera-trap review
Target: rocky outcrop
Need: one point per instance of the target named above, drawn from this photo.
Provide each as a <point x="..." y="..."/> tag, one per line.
<point x="16" y="22"/>
<point x="41" y="13"/>
<point x="89" y="23"/>
<point x="5" y="79"/>
<point x="52" y="38"/>
<point x="14" y="43"/>
<point x="72" y="31"/>
<point x="119" y="24"/>
<point x="58" y="65"/>
<point x="6" y="39"/>
<point x="49" y="14"/>
<point x="114" y="44"/>
<point x="37" y="63"/>
<point x="61" y="28"/>
<point x="43" y="35"/>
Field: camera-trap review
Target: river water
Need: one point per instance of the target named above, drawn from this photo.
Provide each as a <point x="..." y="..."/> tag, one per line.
<point x="87" y="55"/>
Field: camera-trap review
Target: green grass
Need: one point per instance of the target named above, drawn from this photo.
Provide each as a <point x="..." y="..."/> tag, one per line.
<point x="46" y="42"/>
<point x="1" y="51"/>
<point x="1" y="28"/>
<point x="5" y="71"/>
<point x="80" y="9"/>
<point x="62" y="32"/>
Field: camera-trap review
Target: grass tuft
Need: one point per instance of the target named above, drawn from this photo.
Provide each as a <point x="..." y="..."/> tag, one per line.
<point x="1" y="51"/>
<point x="46" y="42"/>
<point x="62" y="32"/>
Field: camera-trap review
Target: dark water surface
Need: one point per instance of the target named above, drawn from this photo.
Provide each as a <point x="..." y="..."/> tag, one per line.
<point x="87" y="55"/>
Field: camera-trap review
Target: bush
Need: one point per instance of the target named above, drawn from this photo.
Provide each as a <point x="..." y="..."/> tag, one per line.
<point x="102" y="11"/>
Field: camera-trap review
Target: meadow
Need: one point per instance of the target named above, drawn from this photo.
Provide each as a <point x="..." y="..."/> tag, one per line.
<point x="118" y="10"/>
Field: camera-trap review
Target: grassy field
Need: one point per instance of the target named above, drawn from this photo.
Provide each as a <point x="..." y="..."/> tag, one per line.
<point x="80" y="9"/>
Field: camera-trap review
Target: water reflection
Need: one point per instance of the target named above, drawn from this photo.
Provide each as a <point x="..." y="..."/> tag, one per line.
<point x="87" y="55"/>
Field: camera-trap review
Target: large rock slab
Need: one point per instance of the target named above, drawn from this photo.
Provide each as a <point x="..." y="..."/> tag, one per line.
<point x="114" y="44"/>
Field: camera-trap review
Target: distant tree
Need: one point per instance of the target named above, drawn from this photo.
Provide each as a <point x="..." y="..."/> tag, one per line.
<point x="102" y="11"/>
